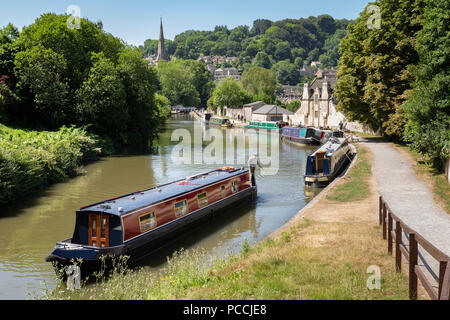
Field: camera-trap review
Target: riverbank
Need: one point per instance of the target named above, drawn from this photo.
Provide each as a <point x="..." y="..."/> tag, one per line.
<point x="31" y="160"/>
<point x="325" y="252"/>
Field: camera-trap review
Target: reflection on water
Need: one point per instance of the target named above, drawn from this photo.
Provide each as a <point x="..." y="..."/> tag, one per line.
<point x="30" y="228"/>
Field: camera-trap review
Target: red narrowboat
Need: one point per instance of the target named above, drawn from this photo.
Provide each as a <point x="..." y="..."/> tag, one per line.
<point x="136" y="224"/>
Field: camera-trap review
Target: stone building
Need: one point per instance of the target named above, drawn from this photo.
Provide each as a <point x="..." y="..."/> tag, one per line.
<point x="270" y="112"/>
<point x="318" y="107"/>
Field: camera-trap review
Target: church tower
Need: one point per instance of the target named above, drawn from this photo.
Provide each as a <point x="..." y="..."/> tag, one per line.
<point x="162" y="56"/>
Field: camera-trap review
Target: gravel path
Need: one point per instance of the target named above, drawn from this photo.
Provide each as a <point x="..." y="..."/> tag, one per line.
<point x="408" y="197"/>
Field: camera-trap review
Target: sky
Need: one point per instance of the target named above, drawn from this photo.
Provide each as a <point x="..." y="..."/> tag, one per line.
<point x="134" y="21"/>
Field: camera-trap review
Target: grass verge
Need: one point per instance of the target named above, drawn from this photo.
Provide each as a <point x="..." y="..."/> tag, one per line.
<point x="356" y="187"/>
<point x="30" y="160"/>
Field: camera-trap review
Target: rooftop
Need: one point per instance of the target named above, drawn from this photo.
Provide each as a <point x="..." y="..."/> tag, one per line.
<point x="121" y="205"/>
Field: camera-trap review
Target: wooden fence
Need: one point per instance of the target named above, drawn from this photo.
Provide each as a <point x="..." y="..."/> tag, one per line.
<point x="393" y="229"/>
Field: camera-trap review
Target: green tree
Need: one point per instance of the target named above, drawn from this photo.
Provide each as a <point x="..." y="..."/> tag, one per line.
<point x="373" y="73"/>
<point x="41" y="83"/>
<point x="228" y="93"/>
<point x="287" y="73"/>
<point x="428" y="107"/>
<point x="260" y="26"/>
<point x="177" y="83"/>
<point x="260" y="83"/>
<point x="140" y="86"/>
<point x="101" y="100"/>
<point x="262" y="60"/>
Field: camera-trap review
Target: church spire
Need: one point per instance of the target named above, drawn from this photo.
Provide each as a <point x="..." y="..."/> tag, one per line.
<point x="162" y="56"/>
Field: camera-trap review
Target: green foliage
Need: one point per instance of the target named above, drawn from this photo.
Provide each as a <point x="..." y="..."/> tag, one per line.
<point x="178" y="83"/>
<point x="373" y="72"/>
<point x="280" y="40"/>
<point x="41" y="80"/>
<point x="427" y="109"/>
<point x="51" y="75"/>
<point x="101" y="100"/>
<point x="287" y="73"/>
<point x="228" y="93"/>
<point x="260" y="83"/>
<point x="293" y="105"/>
<point x="29" y="160"/>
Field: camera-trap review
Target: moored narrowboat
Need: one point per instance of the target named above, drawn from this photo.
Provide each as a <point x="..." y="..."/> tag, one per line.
<point x="136" y="224"/>
<point x="309" y="135"/>
<point x="328" y="161"/>
<point x="223" y="122"/>
<point x="266" y="125"/>
<point x="299" y="135"/>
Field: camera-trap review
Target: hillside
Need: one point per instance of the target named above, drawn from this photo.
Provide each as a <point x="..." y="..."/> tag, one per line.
<point x="266" y="44"/>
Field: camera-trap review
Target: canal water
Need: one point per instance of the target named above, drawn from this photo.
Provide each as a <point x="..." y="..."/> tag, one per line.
<point x="30" y="228"/>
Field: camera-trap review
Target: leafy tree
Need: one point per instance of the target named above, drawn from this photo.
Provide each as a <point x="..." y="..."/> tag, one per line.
<point x="287" y="73"/>
<point x="293" y="105"/>
<point x="283" y="51"/>
<point x="262" y="60"/>
<point x="101" y="100"/>
<point x="228" y="93"/>
<point x="177" y="83"/>
<point x="427" y="108"/>
<point x="373" y="73"/>
<point x="260" y="26"/>
<point x="140" y="85"/>
<point x="326" y="23"/>
<point x="41" y="82"/>
<point x="261" y="83"/>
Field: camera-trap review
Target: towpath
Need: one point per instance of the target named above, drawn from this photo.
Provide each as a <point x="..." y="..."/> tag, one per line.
<point x="408" y="197"/>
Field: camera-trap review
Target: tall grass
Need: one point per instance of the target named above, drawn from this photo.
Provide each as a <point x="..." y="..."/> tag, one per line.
<point x="30" y="160"/>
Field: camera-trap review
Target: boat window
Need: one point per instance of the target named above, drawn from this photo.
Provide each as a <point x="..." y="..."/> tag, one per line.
<point x="234" y="186"/>
<point x="94" y="228"/>
<point x="224" y="192"/>
<point x="202" y="200"/>
<point x="103" y="228"/>
<point x="181" y="208"/>
<point x="147" y="221"/>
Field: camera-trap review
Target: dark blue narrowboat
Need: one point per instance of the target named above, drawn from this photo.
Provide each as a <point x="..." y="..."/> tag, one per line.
<point x="136" y="224"/>
<point x="309" y="135"/>
<point x="328" y="161"/>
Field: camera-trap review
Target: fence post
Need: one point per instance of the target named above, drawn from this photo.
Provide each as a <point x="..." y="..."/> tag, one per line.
<point x="398" y="242"/>
<point x="412" y="266"/>
<point x="390" y="232"/>
<point x="380" y="209"/>
<point x="384" y="221"/>
<point x="442" y="269"/>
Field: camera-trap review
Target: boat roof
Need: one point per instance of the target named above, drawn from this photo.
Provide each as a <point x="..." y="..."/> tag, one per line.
<point x="330" y="146"/>
<point x="123" y="204"/>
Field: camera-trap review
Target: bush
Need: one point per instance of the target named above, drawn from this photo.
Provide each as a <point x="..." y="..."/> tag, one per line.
<point x="29" y="160"/>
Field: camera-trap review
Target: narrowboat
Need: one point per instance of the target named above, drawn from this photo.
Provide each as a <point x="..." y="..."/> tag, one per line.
<point x="136" y="224"/>
<point x="223" y="122"/>
<point x="309" y="135"/>
<point x="300" y="135"/>
<point x="267" y="125"/>
<point x="324" y="164"/>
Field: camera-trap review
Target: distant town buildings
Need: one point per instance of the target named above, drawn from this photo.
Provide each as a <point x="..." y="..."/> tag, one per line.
<point x="220" y="74"/>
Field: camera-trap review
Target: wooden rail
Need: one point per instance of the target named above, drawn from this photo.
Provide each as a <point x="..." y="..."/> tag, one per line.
<point x="437" y="291"/>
